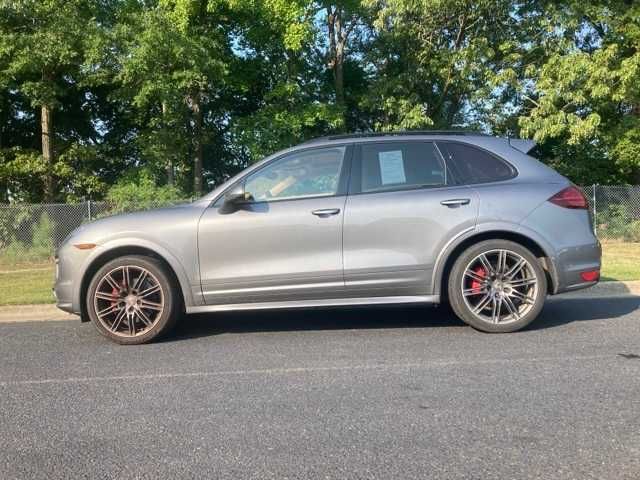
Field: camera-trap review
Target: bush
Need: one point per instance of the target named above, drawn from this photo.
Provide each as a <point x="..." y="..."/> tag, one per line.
<point x="615" y="223"/>
<point x="39" y="250"/>
<point x="632" y="233"/>
<point x="140" y="192"/>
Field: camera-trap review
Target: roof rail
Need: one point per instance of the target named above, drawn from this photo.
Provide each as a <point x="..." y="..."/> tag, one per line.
<point x="396" y="133"/>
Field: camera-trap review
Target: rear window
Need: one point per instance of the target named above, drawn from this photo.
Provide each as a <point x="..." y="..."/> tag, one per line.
<point x="399" y="166"/>
<point x="471" y="165"/>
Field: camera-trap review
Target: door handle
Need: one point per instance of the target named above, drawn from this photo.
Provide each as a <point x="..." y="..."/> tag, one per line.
<point x="455" y="202"/>
<point x="326" y="212"/>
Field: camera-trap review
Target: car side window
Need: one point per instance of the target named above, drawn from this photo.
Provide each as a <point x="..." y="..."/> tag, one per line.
<point x="472" y="165"/>
<point x="400" y="165"/>
<point x="305" y="174"/>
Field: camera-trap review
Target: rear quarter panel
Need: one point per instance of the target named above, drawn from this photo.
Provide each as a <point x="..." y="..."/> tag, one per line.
<point x="570" y="232"/>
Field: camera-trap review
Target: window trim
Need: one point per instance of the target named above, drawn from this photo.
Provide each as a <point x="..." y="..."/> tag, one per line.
<point x="456" y="175"/>
<point x="355" y="183"/>
<point x="343" y="180"/>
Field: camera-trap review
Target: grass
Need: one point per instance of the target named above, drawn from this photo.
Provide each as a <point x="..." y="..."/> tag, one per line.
<point x="31" y="283"/>
<point x="26" y="284"/>
<point x="620" y="261"/>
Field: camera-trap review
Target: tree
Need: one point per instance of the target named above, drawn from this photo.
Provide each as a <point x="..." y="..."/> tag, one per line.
<point x="342" y="20"/>
<point x="170" y="66"/>
<point x="433" y="60"/>
<point x="282" y="91"/>
<point x="585" y="93"/>
<point x="42" y="44"/>
<point x="191" y="91"/>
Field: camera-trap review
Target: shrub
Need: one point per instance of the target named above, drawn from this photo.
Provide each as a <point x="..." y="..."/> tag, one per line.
<point x="39" y="250"/>
<point x="616" y="223"/>
<point x="140" y="192"/>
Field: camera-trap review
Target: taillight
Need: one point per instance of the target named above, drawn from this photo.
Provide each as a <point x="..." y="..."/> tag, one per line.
<point x="590" y="275"/>
<point x="570" y="197"/>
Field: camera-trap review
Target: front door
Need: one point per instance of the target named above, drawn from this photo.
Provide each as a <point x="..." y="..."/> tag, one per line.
<point x="401" y="212"/>
<point x="284" y="244"/>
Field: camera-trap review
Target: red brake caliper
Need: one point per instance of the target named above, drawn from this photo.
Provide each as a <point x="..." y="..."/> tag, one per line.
<point x="114" y="293"/>
<point x="475" y="284"/>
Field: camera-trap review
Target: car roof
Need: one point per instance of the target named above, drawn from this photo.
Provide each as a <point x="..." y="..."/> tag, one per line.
<point x="373" y="136"/>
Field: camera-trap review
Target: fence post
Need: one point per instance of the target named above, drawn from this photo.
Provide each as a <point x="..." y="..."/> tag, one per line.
<point x="595" y="211"/>
<point x="89" y="208"/>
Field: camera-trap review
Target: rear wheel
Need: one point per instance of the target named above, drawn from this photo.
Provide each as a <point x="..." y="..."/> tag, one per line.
<point x="497" y="286"/>
<point x="132" y="300"/>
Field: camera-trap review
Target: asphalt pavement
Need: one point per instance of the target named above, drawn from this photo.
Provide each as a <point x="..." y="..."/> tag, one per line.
<point x="394" y="393"/>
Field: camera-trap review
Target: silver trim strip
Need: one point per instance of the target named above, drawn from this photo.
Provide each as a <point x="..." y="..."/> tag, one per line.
<point x="316" y="303"/>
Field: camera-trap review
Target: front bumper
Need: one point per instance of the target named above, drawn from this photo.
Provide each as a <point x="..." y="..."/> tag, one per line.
<point x="70" y="267"/>
<point x="62" y="290"/>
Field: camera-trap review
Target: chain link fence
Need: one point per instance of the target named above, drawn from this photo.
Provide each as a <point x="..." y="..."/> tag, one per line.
<point x="29" y="234"/>
<point x="615" y="211"/>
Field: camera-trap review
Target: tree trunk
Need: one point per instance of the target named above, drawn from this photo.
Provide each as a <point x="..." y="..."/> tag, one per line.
<point x="339" y="74"/>
<point x="196" y="108"/>
<point x="337" y="40"/>
<point x="48" y="153"/>
<point x="171" y="179"/>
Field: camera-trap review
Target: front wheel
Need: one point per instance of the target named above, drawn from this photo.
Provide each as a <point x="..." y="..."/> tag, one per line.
<point x="497" y="286"/>
<point x="132" y="300"/>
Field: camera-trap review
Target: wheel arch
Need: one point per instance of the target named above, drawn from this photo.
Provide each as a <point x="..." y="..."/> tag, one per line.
<point x="104" y="256"/>
<point x="453" y="251"/>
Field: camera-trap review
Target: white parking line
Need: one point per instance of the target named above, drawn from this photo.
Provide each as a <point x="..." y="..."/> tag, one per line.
<point x="294" y="370"/>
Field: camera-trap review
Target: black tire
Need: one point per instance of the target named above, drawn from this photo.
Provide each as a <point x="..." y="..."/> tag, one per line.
<point x="162" y="321"/>
<point x="532" y="306"/>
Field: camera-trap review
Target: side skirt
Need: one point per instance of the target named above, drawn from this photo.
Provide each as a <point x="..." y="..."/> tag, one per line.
<point x="315" y="303"/>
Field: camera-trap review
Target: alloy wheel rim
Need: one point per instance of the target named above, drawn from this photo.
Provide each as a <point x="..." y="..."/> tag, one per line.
<point x="500" y="286"/>
<point x="128" y="301"/>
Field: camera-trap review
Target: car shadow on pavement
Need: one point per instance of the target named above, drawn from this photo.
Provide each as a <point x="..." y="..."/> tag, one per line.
<point x="560" y="311"/>
<point x="328" y="318"/>
<point x="557" y="311"/>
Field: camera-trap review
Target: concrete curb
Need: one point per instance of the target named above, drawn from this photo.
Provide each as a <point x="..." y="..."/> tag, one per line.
<point x="33" y="313"/>
<point x="49" y="312"/>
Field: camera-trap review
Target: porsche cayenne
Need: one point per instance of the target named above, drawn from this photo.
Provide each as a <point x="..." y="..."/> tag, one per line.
<point x="369" y="219"/>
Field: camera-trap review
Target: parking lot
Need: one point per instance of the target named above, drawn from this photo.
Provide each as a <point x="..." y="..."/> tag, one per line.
<point x="336" y="393"/>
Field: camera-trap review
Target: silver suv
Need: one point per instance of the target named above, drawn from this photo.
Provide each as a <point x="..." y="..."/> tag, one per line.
<point x="411" y="217"/>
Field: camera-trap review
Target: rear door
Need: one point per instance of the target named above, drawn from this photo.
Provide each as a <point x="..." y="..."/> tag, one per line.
<point x="402" y="209"/>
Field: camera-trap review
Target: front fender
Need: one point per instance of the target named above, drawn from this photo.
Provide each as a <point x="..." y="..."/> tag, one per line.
<point x="190" y="289"/>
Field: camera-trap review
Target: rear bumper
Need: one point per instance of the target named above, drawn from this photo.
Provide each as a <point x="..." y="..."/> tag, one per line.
<point x="571" y="262"/>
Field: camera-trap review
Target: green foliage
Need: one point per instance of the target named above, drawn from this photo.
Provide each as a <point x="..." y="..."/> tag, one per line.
<point x="12" y="220"/>
<point x="616" y="223"/>
<point x="38" y="248"/>
<point x="435" y="60"/>
<point x="288" y="117"/>
<point x="165" y="85"/>
<point x="42" y="235"/>
<point x="139" y="191"/>
<point x="585" y="90"/>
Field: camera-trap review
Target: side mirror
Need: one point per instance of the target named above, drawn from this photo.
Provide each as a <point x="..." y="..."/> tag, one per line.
<point x="237" y="195"/>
